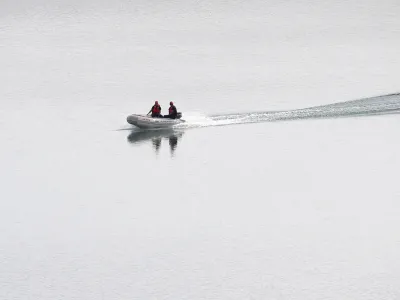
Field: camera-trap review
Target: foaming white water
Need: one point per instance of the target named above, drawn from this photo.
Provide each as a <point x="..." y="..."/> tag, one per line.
<point x="195" y="119"/>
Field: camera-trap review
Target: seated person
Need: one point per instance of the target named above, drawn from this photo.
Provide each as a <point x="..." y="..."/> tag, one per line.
<point x="156" y="110"/>
<point x="172" y="111"/>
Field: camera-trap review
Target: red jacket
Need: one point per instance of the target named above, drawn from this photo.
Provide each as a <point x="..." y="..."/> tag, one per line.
<point x="156" y="109"/>
<point x="172" y="110"/>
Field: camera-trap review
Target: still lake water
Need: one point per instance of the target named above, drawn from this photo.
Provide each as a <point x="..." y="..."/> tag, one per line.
<point x="267" y="192"/>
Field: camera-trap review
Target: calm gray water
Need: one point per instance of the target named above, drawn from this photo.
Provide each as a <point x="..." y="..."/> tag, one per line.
<point x="282" y="184"/>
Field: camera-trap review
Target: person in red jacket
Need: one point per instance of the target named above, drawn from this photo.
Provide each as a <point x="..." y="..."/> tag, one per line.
<point x="155" y="110"/>
<point x="172" y="112"/>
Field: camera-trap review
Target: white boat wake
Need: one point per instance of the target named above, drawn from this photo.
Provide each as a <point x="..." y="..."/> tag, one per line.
<point x="387" y="104"/>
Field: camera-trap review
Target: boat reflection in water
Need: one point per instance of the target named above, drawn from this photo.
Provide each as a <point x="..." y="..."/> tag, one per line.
<point x="156" y="137"/>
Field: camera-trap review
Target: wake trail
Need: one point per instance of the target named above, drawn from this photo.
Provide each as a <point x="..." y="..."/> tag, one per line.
<point x="386" y="104"/>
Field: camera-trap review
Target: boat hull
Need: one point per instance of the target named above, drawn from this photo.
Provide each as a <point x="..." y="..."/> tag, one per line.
<point x="146" y="122"/>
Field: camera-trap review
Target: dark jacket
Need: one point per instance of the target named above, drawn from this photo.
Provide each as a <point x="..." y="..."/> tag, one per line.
<point x="172" y="111"/>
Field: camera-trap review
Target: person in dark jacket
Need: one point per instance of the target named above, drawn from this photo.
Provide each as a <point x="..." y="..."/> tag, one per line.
<point x="155" y="110"/>
<point x="172" y="112"/>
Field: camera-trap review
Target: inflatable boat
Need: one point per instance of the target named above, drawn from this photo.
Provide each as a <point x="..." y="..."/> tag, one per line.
<point x="146" y="121"/>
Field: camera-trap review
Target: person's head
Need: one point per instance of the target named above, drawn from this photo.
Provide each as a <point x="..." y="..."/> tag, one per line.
<point x="171" y="103"/>
<point x="156" y="103"/>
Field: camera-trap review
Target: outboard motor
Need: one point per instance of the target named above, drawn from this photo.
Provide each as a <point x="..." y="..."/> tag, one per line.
<point x="179" y="115"/>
